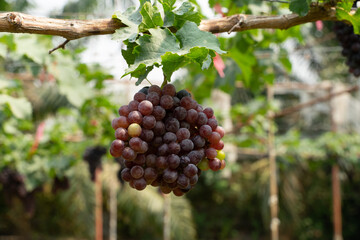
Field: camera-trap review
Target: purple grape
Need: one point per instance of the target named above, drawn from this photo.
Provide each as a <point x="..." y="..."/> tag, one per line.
<point x="212" y="123"/>
<point x="137" y="171"/>
<point x="159" y="128"/>
<point x="135" y="117"/>
<point x="129" y="154"/>
<point x="183" y="181"/>
<point x="209" y="112"/>
<point x="145" y="107"/>
<point x="161" y="162"/>
<point x="154" y="88"/>
<point x="135" y="143"/>
<point x="139" y="96"/>
<point x="159" y="113"/>
<point x="169" y="89"/>
<point x="198" y="141"/>
<point x="147" y="135"/>
<point x="154" y="98"/>
<point x="126" y="175"/>
<point x="150" y="174"/>
<point x="190" y="170"/>
<point x="124" y="110"/>
<point x="133" y="105"/>
<point x="167" y="102"/>
<point x="169" y="175"/>
<point x="187" y="145"/>
<point x="174" y="148"/>
<point x="192" y="116"/>
<point x="180" y="113"/>
<point x="173" y="161"/>
<point x="150" y="160"/>
<point x="163" y="150"/>
<point x="122" y="134"/>
<point x="169" y="137"/>
<point x="149" y="122"/>
<point x="205" y="131"/>
<point x="140" y="184"/>
<point x="172" y="125"/>
<point x="202" y="119"/>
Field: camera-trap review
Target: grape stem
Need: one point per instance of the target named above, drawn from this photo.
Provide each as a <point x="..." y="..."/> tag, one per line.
<point x="164" y="82"/>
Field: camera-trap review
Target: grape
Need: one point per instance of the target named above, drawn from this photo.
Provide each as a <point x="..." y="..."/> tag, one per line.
<point x="218" y="146"/>
<point x="198" y="141"/>
<point x="129" y="154"/>
<point x="170" y="176"/>
<point x="137" y="171"/>
<point x="159" y="128"/>
<point x="182" y="93"/>
<point x="203" y="164"/>
<point x="122" y="134"/>
<point x="134" y="130"/>
<point x="212" y="123"/>
<point x="172" y="125"/>
<point x="125" y="175"/>
<point x="202" y="119"/>
<point x="215" y="164"/>
<point x="159" y="113"/>
<point x="221" y="155"/>
<point x="205" y="131"/>
<point x="178" y="192"/>
<point x="184" y="124"/>
<point x="149" y="122"/>
<point x="139" y="96"/>
<point x="155" y="89"/>
<point x="163" y="150"/>
<point x="147" y="135"/>
<point x="223" y="164"/>
<point x="184" y="161"/>
<point x="165" y="189"/>
<point x="144" y="90"/>
<point x="140" y="184"/>
<point x="214" y="137"/>
<point x="188" y="103"/>
<point x="190" y="170"/>
<point x="166" y="101"/>
<point x="176" y="102"/>
<point x="173" y="161"/>
<point x="180" y="113"/>
<point x="140" y="159"/>
<point x="150" y="174"/>
<point x="194" y="179"/>
<point x="220" y="130"/>
<point x="157" y="141"/>
<point x="351" y="46"/>
<point x="167" y="138"/>
<point x="209" y="112"/>
<point x="120" y="122"/>
<point x="174" y="148"/>
<point x="211" y="153"/>
<point x="145" y="107"/>
<point x="183" y="181"/>
<point x="161" y="162"/>
<point x="133" y="105"/>
<point x="151" y="160"/>
<point x="182" y="134"/>
<point x="195" y="157"/>
<point x="135" y="117"/>
<point x="187" y="145"/>
<point x="192" y="116"/>
<point x="144" y="147"/>
<point x="124" y="110"/>
<point x="169" y="89"/>
<point x="154" y="98"/>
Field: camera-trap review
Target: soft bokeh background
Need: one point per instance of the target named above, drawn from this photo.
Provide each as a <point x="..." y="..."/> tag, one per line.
<point x="54" y="107"/>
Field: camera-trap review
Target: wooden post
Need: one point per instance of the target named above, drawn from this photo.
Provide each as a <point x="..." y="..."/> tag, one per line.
<point x="335" y="182"/>
<point x="273" y="201"/>
<point x="98" y="205"/>
<point x="166" y="217"/>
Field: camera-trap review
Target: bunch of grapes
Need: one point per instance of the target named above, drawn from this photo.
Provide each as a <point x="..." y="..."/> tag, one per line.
<point x="166" y="139"/>
<point x="93" y="155"/>
<point x="351" y="46"/>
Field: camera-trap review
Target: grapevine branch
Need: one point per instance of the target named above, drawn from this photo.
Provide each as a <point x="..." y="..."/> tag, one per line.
<point x="70" y="29"/>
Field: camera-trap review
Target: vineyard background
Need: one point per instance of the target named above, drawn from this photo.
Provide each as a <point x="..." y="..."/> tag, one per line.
<point x="53" y="107"/>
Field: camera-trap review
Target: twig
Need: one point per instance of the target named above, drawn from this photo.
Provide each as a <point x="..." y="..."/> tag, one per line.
<point x="60" y="46"/>
<point x="242" y="19"/>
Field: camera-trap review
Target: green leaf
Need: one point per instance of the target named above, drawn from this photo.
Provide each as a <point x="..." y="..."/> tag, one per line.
<point x="172" y="62"/>
<point x="20" y="107"/>
<point x="33" y="47"/>
<point x="300" y="7"/>
<point x="151" y="48"/>
<point x="190" y="36"/>
<point x="151" y="17"/>
<point x="132" y="18"/>
<point x="342" y="13"/>
<point x="129" y="53"/>
<point x="186" y="12"/>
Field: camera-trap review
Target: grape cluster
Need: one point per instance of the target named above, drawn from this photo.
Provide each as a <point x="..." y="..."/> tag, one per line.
<point x="166" y="139"/>
<point x="351" y="46"/>
<point x="93" y="155"/>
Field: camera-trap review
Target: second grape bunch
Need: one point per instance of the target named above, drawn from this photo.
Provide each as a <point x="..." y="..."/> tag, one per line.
<point x="166" y="139"/>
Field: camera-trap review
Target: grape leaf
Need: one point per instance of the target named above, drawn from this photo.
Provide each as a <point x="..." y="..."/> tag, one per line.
<point x="186" y="12"/>
<point x="132" y="18"/>
<point x="197" y="38"/>
<point x="151" y="17"/>
<point x="342" y="13"/>
<point x="20" y="107"/>
<point x="300" y="7"/>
